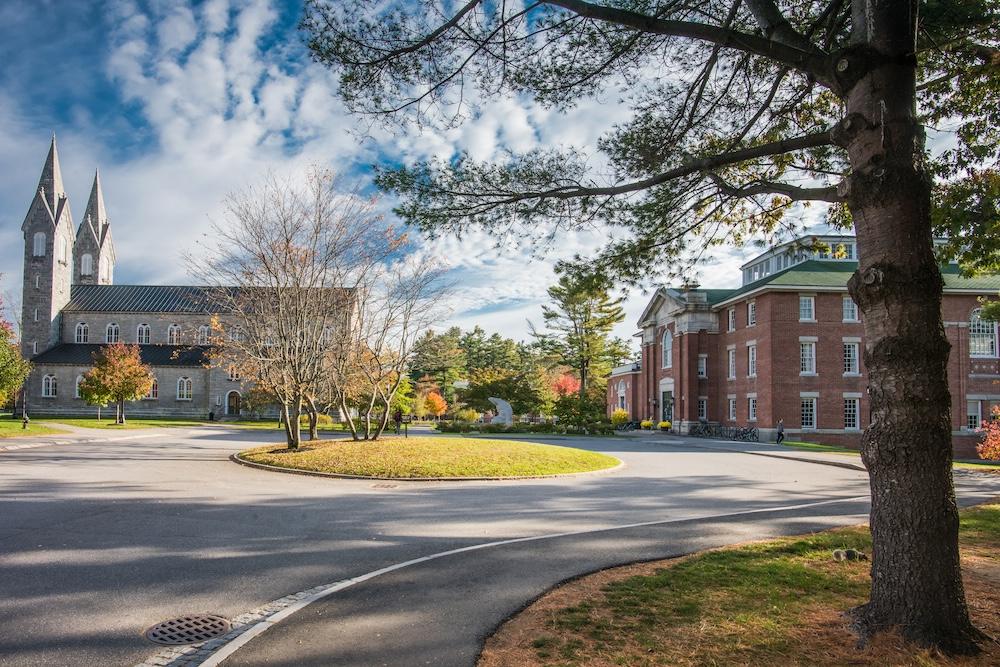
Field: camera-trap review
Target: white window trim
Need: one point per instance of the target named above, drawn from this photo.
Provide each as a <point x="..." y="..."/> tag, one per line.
<point x="857" y="358"/>
<point x="49" y="381"/>
<point x="667" y="351"/>
<point x="731" y="319"/>
<point x="815" y="410"/>
<point x="857" y="311"/>
<point x="751" y="308"/>
<point x="978" y="413"/>
<point x="76" y="386"/>
<point x="751" y="414"/>
<point x="813" y="372"/>
<point x="751" y="361"/>
<point x="702" y="366"/>
<point x="186" y="381"/>
<point x="811" y="297"/>
<point x="996" y="342"/>
<point x="857" y="413"/>
<point x="731" y="363"/>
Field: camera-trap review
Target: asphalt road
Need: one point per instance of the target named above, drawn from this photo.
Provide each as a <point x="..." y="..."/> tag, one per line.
<point x="98" y="541"/>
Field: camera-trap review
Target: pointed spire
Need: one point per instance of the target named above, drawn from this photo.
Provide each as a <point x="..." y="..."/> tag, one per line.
<point x="51" y="182"/>
<point x="96" y="215"/>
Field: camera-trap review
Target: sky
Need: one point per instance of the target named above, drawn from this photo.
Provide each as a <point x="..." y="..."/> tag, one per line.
<point x="180" y="103"/>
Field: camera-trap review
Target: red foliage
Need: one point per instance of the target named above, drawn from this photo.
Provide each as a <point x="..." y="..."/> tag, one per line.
<point x="989" y="448"/>
<point x="436" y="404"/>
<point x="566" y="384"/>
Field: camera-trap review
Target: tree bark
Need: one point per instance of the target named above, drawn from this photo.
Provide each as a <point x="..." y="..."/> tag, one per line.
<point x="916" y="577"/>
<point x="313" y="418"/>
<point x="293" y="432"/>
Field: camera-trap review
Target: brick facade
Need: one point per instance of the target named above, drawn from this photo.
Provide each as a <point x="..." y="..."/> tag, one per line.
<point x="698" y="324"/>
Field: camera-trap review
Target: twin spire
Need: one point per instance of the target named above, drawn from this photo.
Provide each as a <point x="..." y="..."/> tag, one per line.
<point x="53" y="193"/>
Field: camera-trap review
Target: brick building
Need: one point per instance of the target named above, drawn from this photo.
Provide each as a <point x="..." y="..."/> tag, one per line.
<point x="788" y="345"/>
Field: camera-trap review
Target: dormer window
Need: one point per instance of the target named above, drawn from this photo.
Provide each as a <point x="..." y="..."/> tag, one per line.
<point x="38" y="247"/>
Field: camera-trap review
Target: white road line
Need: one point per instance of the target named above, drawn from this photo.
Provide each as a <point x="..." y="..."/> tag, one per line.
<point x="227" y="649"/>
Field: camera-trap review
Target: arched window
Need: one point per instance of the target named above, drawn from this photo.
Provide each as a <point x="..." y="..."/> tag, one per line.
<point x="38" y="249"/>
<point x="64" y="250"/>
<point x="76" y="388"/>
<point x="668" y="349"/>
<point x="174" y="334"/>
<point x="153" y="393"/>
<point x="142" y="334"/>
<point x="87" y="265"/>
<point x="203" y="333"/>
<point x="234" y="372"/>
<point x="184" y="392"/>
<point x="982" y="336"/>
<point x="49" y="386"/>
<point x="235" y="335"/>
<point x="111" y="333"/>
<point x="82" y="332"/>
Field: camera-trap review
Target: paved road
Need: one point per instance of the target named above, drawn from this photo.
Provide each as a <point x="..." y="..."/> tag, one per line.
<point x="100" y="540"/>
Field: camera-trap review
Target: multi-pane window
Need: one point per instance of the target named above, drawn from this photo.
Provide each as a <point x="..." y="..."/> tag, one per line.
<point x="203" y="332"/>
<point x="973" y="415"/>
<point x="234" y="372"/>
<point x="702" y="408"/>
<point x="852" y="413"/>
<point x="184" y="389"/>
<point x="153" y="393"/>
<point x="732" y="319"/>
<point x="702" y="366"/>
<point x="76" y="386"/>
<point x="752" y="408"/>
<point x="982" y="336"/>
<point x="142" y="334"/>
<point x="751" y="313"/>
<point x="850" y="310"/>
<point x="752" y="361"/>
<point x="668" y="350"/>
<point x="732" y="364"/>
<point x="38" y="245"/>
<point x="173" y="335"/>
<point x="807" y="358"/>
<point x="82" y="332"/>
<point x="621" y="394"/>
<point x="49" y="386"/>
<point x="111" y="334"/>
<point x="851" y="358"/>
<point x="808" y="413"/>
<point x="732" y="409"/>
<point x="807" y="308"/>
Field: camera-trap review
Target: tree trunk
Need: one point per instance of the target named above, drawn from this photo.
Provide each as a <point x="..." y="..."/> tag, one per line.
<point x="916" y="578"/>
<point x="121" y="411"/>
<point x="293" y="432"/>
<point x="346" y="414"/>
<point x="313" y="418"/>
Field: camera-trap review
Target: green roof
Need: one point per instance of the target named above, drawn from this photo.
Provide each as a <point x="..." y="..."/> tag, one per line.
<point x="817" y="273"/>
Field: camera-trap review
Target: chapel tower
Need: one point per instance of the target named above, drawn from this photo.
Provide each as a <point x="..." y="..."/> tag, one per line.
<point x="94" y="254"/>
<point x="48" y="257"/>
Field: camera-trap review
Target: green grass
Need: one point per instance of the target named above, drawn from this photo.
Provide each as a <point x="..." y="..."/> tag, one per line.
<point x="756" y="604"/>
<point x="130" y="424"/>
<point x="12" y="428"/>
<point x="987" y="466"/>
<point x="432" y="457"/>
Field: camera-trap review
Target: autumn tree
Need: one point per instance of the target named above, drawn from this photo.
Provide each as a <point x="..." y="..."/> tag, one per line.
<point x="436" y="405"/>
<point x="14" y="368"/>
<point x="740" y="109"/>
<point x="118" y="375"/>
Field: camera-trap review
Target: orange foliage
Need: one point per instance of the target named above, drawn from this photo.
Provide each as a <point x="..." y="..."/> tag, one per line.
<point x="436" y="404"/>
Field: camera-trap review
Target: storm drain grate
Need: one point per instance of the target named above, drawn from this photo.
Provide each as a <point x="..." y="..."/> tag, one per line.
<point x="384" y="486"/>
<point x="188" y="630"/>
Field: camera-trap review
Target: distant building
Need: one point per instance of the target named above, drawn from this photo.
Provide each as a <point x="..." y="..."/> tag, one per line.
<point x="70" y="308"/>
<point x="788" y="345"/>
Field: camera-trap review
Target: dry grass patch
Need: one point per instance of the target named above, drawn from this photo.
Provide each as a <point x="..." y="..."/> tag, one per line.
<point x="773" y="603"/>
<point x="432" y="457"/>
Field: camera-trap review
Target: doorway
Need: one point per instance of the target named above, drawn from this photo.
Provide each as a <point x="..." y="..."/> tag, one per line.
<point x="233" y="403"/>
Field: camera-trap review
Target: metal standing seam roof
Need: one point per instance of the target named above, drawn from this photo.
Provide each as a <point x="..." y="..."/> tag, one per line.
<point x="139" y="299"/>
<point x="77" y="354"/>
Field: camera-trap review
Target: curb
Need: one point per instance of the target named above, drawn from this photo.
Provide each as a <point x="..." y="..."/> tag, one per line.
<point x="800" y="459"/>
<point x="235" y="458"/>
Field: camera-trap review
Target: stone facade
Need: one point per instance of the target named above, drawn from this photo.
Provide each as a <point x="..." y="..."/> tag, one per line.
<point x="71" y="307"/>
<point x="789" y="345"/>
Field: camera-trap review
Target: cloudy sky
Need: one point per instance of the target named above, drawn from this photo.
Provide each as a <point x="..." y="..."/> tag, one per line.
<point x="179" y="104"/>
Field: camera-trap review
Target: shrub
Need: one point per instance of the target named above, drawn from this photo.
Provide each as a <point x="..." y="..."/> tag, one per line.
<point x="541" y="428"/>
<point x="989" y="448"/>
<point x="453" y="427"/>
<point x="321" y="420"/>
<point x="619" y="417"/>
<point x="646" y="424"/>
<point x="466" y="415"/>
<point x="665" y="425"/>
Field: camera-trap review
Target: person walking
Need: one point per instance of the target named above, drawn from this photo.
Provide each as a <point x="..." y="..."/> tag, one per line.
<point x="781" y="432"/>
<point x="397" y="419"/>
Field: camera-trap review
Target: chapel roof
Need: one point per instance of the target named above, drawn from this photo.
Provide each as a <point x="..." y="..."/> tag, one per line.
<point x="77" y="354"/>
<point x="139" y="299"/>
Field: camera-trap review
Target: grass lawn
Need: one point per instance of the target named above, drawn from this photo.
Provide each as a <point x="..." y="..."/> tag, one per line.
<point x="109" y="422"/>
<point x="11" y="428"/>
<point x="432" y="457"/>
<point x="987" y="466"/>
<point x="770" y="603"/>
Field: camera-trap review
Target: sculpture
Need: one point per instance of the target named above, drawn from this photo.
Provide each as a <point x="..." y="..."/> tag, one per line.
<point x="505" y="413"/>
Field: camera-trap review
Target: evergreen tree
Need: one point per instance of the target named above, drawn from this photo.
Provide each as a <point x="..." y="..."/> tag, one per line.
<point x="579" y="323"/>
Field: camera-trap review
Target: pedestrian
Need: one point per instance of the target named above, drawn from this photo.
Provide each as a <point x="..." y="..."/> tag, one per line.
<point x="781" y="431"/>
<point x="397" y="419"/>
<point x="24" y="422"/>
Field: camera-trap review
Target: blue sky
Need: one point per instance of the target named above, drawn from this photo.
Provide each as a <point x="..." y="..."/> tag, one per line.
<point x="180" y="103"/>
